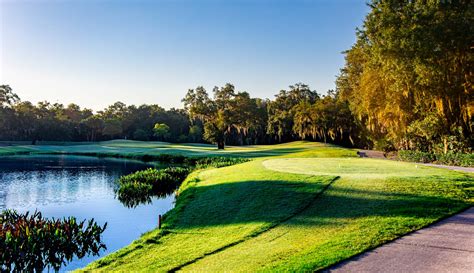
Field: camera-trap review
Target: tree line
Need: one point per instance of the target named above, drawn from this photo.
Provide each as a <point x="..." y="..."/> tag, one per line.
<point x="225" y="117"/>
<point x="24" y="121"/>
<point x="407" y="83"/>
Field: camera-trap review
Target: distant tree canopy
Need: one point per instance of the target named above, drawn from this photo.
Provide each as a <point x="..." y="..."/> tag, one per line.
<point x="407" y="84"/>
<point x="161" y="131"/>
<point x="23" y="121"/>
<point x="227" y="114"/>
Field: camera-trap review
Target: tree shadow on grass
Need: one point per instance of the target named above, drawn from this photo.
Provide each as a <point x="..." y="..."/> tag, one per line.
<point x="245" y="202"/>
<point x="275" y="201"/>
<point x="271" y="203"/>
<point x="265" y="153"/>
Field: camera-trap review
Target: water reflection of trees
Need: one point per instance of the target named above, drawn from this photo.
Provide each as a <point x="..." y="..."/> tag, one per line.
<point x="132" y="201"/>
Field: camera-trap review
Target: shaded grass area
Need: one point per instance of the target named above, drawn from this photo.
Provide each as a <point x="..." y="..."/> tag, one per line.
<point x="216" y="209"/>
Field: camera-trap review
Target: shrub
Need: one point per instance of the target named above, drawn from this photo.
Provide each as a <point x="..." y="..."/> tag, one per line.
<point x="139" y="187"/>
<point x="384" y="145"/>
<point x="160" y="180"/>
<point x="31" y="243"/>
<point x="416" y="156"/>
<point x="177" y="173"/>
<point x="141" y="134"/>
<point x="218" y="162"/>
<point x="456" y="159"/>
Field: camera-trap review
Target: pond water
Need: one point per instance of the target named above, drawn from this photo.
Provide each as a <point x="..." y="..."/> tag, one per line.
<point x="83" y="187"/>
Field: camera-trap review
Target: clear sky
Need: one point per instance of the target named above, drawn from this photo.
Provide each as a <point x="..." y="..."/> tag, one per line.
<point x="94" y="53"/>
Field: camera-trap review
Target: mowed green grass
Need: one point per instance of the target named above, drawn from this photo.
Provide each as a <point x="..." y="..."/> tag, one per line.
<point x="216" y="209"/>
<point x="373" y="202"/>
<point x="298" y="206"/>
<point x="306" y="207"/>
<point x="130" y="147"/>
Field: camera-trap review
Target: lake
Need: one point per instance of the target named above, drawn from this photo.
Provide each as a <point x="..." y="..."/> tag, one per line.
<point x="79" y="186"/>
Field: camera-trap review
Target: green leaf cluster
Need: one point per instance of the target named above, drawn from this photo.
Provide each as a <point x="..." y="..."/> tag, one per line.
<point x="30" y="242"/>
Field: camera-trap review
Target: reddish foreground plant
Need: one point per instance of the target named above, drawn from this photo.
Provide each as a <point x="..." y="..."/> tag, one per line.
<point x="29" y="242"/>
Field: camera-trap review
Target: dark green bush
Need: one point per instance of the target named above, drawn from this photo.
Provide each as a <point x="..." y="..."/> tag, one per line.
<point x="455" y="159"/>
<point x="416" y="156"/>
<point x="218" y="162"/>
<point x="29" y="242"/>
<point x="162" y="180"/>
<point x="139" y="187"/>
<point x="177" y="173"/>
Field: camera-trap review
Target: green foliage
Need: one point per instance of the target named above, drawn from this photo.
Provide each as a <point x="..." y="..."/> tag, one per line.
<point x="141" y="134"/>
<point x="161" y="131"/>
<point x="416" y="156"/>
<point x="214" y="133"/>
<point x="217" y="162"/>
<point x="327" y="119"/>
<point x="407" y="76"/>
<point x="139" y="187"/>
<point x="21" y="121"/>
<point x="382" y="144"/>
<point x="229" y="113"/>
<point x="195" y="133"/>
<point x="112" y="128"/>
<point x="7" y="97"/>
<point x="94" y="126"/>
<point x="422" y="132"/>
<point x="282" y="111"/>
<point x="456" y="159"/>
<point x="161" y="180"/>
<point x="30" y="243"/>
<point x="451" y="158"/>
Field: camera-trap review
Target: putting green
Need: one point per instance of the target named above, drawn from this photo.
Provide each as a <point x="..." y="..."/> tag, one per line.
<point x="354" y="168"/>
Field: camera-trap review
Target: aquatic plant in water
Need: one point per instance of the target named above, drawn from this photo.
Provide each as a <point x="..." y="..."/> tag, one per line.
<point x="138" y="188"/>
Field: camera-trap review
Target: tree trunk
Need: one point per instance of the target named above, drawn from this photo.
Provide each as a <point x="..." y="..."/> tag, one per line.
<point x="445" y="142"/>
<point x="220" y="145"/>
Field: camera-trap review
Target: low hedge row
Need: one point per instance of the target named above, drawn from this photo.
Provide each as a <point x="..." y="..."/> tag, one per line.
<point x="455" y="159"/>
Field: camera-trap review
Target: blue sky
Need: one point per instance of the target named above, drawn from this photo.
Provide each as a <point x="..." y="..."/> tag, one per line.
<point x="97" y="52"/>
